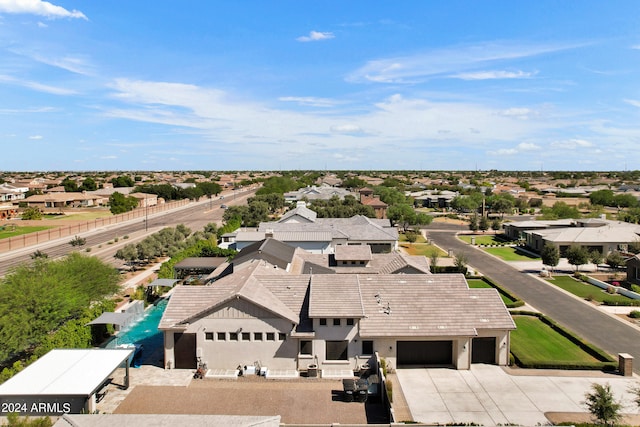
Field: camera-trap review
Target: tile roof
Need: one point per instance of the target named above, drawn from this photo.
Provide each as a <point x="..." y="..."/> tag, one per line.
<point x="429" y="305"/>
<point x="353" y="252"/>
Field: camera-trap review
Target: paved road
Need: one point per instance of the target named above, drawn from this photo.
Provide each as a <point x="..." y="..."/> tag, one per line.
<point x="597" y="327"/>
<point x="195" y="216"/>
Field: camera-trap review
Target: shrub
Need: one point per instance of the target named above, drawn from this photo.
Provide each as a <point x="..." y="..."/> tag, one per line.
<point x="389" y="385"/>
<point x="634" y="314"/>
<point x="611" y="290"/>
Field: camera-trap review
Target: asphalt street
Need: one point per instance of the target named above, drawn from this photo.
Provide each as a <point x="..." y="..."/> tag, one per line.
<point x="601" y="329"/>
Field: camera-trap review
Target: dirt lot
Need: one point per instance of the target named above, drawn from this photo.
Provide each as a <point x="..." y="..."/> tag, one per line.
<point x="296" y="401"/>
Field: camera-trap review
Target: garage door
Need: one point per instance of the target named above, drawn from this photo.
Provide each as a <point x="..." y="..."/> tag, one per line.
<point x="483" y="350"/>
<point x="425" y="353"/>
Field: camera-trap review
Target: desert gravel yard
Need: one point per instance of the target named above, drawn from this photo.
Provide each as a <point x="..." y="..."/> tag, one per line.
<point x="296" y="401"/>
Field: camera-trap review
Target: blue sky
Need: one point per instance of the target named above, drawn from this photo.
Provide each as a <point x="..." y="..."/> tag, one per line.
<point x="277" y="85"/>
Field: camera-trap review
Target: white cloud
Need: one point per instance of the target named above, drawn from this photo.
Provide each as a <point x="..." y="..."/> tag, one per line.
<point x="109" y="157"/>
<point x="572" y="144"/>
<point x="492" y="75"/>
<point x="217" y="118"/>
<point x="347" y="129"/>
<point x="528" y="146"/>
<point x="637" y="46"/>
<point x="310" y="101"/>
<point x="36" y="86"/>
<point x="42" y="25"/>
<point x="634" y="102"/>
<point x="519" y="113"/>
<point x="36" y="137"/>
<point x="448" y="61"/>
<point x="316" y="36"/>
<point x="40" y="8"/>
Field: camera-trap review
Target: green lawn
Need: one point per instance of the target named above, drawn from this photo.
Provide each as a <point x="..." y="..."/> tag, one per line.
<point x="419" y="238"/>
<point x="585" y="290"/>
<point x="479" y="284"/>
<point x="18" y="230"/>
<point x="424" y="249"/>
<point x="82" y="216"/>
<point x="536" y="343"/>
<point x="482" y="239"/>
<point x="508" y="253"/>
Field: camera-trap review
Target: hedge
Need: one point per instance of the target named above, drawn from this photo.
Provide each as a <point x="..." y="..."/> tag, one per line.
<point x="517" y="302"/>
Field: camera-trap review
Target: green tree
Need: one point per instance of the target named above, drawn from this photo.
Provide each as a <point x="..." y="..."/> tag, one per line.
<point x="89" y="184"/>
<point x="122" y="181"/>
<point x="495" y="224"/>
<point x="433" y="260"/>
<point x="550" y="255"/>
<point x="596" y="258"/>
<point x="70" y="186"/>
<point x="502" y="204"/>
<point x="402" y="214"/>
<point x="473" y="223"/>
<point x="577" y="256"/>
<point x="460" y="261"/>
<point x="119" y="203"/>
<point x="614" y="259"/>
<point x="209" y="189"/>
<point x="128" y="254"/>
<point x="31" y="213"/>
<point x="602" y="405"/>
<point x="483" y="223"/>
<point x="602" y="198"/>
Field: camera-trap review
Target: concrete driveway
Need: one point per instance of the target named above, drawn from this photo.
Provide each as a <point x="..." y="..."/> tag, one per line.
<point x="488" y="395"/>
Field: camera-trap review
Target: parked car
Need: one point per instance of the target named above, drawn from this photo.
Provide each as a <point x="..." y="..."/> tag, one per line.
<point x="223" y="206"/>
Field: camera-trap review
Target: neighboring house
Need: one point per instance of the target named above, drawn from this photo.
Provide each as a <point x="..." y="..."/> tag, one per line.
<point x="103" y="194"/>
<point x="62" y="200"/>
<point x="302" y="228"/>
<point x="145" y="200"/>
<point x="12" y="193"/>
<point x="368" y="199"/>
<point x="603" y="235"/>
<point x="633" y="269"/>
<point x="7" y="211"/>
<point x="265" y="312"/>
<point x="434" y="199"/>
<point x="322" y="192"/>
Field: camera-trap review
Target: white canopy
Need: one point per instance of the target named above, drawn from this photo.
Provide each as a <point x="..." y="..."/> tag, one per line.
<point x="72" y="372"/>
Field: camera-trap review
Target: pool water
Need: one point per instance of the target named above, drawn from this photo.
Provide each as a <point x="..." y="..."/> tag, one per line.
<point x="144" y="333"/>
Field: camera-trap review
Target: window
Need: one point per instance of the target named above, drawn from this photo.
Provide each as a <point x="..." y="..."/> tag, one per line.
<point x="323" y="322"/>
<point x="222" y="336"/>
<point x="233" y="336"/>
<point x="349" y="322"/>
<point x="282" y="336"/>
<point x="257" y="336"/>
<point x="305" y="347"/>
<point x="367" y="347"/>
<point x="337" y="350"/>
<point x="336" y="322"/>
<point x="208" y="336"/>
<point x="246" y="336"/>
<point x="271" y="336"/>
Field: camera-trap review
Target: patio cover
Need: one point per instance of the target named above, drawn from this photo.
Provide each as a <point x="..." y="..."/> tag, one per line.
<point x="72" y="372"/>
<point x="163" y="282"/>
<point x="110" y="318"/>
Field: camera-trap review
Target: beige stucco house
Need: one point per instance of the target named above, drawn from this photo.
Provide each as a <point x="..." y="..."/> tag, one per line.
<point x="267" y="311"/>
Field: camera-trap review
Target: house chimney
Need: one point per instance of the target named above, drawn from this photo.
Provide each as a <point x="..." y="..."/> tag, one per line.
<point x="268" y="233"/>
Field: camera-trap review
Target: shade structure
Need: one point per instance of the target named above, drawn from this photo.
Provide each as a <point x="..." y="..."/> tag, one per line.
<point x="110" y="318"/>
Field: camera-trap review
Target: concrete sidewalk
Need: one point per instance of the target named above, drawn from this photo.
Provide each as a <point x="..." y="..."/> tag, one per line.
<point x="489" y="395"/>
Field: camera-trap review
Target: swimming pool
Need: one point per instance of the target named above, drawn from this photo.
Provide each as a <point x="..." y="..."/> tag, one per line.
<point x="144" y="333"/>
